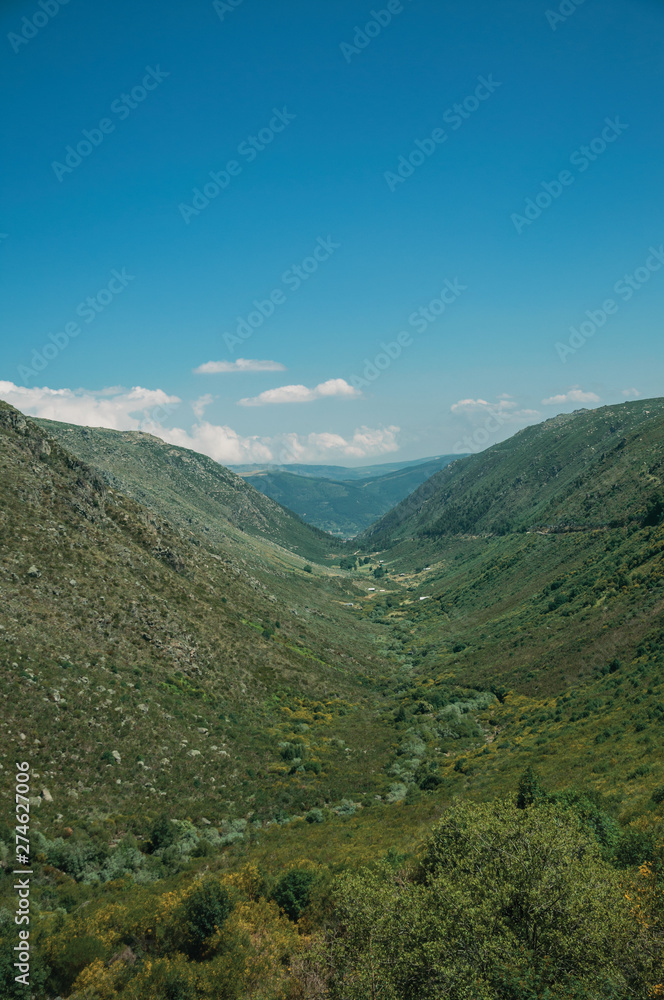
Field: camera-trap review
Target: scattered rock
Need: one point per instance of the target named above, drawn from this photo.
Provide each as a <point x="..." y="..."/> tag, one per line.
<point x="144" y="708"/>
<point x="206" y="821"/>
<point x="34" y="572"/>
<point x="193" y="753"/>
<point x="46" y="795"/>
<point x="114" y="753"/>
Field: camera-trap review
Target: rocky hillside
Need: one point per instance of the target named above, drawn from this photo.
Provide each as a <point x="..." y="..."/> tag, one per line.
<point x="191" y="490"/>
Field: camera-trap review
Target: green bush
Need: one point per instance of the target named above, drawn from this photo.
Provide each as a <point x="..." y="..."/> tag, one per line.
<point x="293" y="891"/>
<point x="162" y="833"/>
<point x="506" y="904"/>
<point x="201" y="914"/>
<point x="530" y="789"/>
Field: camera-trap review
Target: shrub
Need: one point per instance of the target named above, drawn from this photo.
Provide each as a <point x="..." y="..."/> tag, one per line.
<point x="315" y="816"/>
<point x="506" y="904"/>
<point x="200" y="915"/>
<point x="530" y="788"/>
<point x="162" y="833"/>
<point x="293" y="891"/>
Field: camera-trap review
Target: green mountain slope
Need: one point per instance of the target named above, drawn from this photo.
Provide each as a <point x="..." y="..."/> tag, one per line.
<point x="344" y="507"/>
<point x="186" y="654"/>
<point x="192" y="491"/>
<point x="297" y="724"/>
<point x="584" y="469"/>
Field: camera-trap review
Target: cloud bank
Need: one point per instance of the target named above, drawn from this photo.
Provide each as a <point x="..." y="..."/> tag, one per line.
<point x="140" y="409"/>
<point x="117" y="408"/>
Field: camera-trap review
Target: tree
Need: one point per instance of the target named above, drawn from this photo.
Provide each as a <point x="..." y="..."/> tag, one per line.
<point x="293" y="891"/>
<point x="505" y="904"/>
<point x="162" y="833"/>
<point x="530" y="788"/>
<point x="201" y="914"/>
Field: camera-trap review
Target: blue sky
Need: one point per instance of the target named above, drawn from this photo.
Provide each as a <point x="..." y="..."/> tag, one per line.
<point x="503" y="211"/>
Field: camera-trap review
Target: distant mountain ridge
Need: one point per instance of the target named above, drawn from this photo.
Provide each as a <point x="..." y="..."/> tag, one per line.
<point x="343" y="506"/>
<point x="341" y="472"/>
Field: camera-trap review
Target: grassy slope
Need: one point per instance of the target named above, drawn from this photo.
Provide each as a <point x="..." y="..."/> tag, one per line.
<point x="194" y="492"/>
<point x="120" y="632"/>
<point x="584" y="469"/>
<point x="564" y="626"/>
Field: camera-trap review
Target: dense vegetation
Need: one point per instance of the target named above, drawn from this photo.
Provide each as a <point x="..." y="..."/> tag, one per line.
<point x="430" y="770"/>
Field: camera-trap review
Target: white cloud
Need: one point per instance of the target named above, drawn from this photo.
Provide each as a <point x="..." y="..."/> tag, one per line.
<point x="200" y="405"/>
<point x="117" y="408"/>
<point x="241" y="365"/>
<point x="302" y="394"/>
<point x="504" y="403"/>
<point x="631" y="392"/>
<point x="146" y="409"/>
<point x="575" y="395"/>
<point x="226" y="446"/>
<point x="221" y="443"/>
